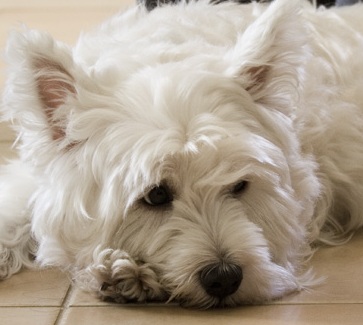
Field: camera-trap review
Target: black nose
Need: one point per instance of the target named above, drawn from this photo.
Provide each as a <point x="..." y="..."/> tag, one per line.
<point x="221" y="280"/>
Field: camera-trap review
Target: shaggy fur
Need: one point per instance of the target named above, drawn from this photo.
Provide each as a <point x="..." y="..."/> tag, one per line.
<point x="194" y="153"/>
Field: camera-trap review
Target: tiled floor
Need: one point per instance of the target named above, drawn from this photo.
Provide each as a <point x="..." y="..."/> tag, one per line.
<point x="46" y="297"/>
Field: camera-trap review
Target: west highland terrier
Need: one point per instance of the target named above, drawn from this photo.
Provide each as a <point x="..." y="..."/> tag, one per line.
<point x="196" y="153"/>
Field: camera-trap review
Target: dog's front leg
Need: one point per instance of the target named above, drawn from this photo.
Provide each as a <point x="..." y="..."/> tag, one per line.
<point x="122" y="279"/>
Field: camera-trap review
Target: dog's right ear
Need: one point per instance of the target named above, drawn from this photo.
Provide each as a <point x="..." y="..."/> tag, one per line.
<point x="41" y="81"/>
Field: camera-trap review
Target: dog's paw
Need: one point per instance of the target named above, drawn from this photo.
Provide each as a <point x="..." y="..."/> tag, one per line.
<point x="122" y="279"/>
<point x="13" y="260"/>
<point x="6" y="263"/>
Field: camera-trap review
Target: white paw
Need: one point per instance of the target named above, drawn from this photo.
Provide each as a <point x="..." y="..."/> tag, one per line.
<point x="6" y="262"/>
<point x="122" y="279"/>
<point x="12" y="260"/>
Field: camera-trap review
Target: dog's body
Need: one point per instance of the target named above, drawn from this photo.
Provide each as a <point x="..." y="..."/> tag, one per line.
<point x="192" y="153"/>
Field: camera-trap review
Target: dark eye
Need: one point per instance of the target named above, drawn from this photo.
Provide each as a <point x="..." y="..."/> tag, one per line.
<point x="159" y="195"/>
<point x="240" y="187"/>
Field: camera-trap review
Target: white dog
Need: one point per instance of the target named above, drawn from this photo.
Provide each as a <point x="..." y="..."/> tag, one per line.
<point x="194" y="153"/>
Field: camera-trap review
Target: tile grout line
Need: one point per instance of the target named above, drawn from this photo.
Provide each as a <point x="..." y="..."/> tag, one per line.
<point x="65" y="305"/>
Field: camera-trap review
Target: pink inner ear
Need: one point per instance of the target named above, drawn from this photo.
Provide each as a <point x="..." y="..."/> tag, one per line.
<point x="54" y="84"/>
<point x="257" y="77"/>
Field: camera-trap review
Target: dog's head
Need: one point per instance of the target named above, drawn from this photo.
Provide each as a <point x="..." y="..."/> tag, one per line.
<point x="184" y="155"/>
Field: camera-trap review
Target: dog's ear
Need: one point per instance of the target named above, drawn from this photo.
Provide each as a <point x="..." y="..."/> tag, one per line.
<point x="269" y="51"/>
<point x="41" y="80"/>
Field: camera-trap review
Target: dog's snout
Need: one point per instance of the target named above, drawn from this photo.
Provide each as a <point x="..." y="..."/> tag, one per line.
<point x="221" y="280"/>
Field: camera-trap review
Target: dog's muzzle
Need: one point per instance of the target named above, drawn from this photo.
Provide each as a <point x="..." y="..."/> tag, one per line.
<point x="221" y="280"/>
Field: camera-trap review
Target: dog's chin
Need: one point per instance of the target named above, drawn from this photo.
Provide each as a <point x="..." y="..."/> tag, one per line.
<point x="203" y="301"/>
<point x="267" y="286"/>
<point x="200" y="300"/>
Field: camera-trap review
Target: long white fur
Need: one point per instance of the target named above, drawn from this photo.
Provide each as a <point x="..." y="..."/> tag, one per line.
<point x="199" y="97"/>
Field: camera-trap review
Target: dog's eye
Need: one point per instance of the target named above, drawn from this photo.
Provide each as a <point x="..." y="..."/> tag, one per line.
<point x="240" y="187"/>
<point x="159" y="195"/>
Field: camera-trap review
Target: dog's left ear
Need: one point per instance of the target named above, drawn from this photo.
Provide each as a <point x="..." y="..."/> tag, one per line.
<point x="41" y="81"/>
<point x="268" y="53"/>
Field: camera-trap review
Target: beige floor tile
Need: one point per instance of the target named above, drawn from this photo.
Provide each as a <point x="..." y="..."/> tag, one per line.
<point x="63" y="24"/>
<point x="342" y="266"/>
<point x="81" y="298"/>
<point x="34" y="288"/>
<point x="6" y="134"/>
<point x="6" y="152"/>
<point x="259" y="315"/>
<point x="28" y="316"/>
